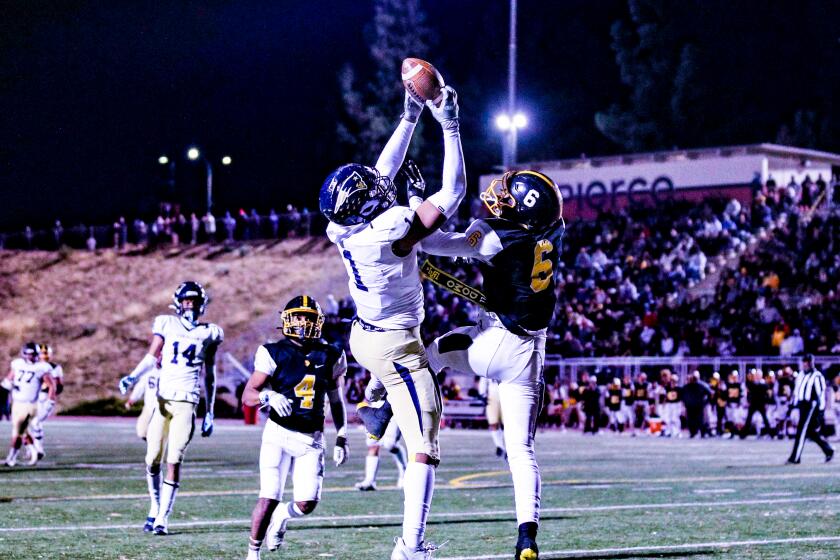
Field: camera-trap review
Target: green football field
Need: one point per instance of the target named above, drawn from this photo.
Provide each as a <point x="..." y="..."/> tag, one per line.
<point x="603" y="497"/>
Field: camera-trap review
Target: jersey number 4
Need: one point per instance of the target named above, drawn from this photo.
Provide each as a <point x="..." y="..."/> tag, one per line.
<point x="541" y="273"/>
<point x="305" y="391"/>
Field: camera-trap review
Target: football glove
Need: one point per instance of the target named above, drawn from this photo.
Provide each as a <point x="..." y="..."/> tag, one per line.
<point x="341" y="451"/>
<point x="126" y="383"/>
<point x="207" y="425"/>
<point x="411" y="109"/>
<point x="375" y="390"/>
<point x="281" y="405"/>
<point x="447" y="112"/>
<point x="415" y="184"/>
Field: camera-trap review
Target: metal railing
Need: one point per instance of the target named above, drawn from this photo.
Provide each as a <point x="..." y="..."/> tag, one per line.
<point x="571" y="368"/>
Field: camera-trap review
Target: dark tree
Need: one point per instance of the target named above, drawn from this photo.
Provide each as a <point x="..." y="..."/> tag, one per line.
<point x="659" y="69"/>
<point x="373" y="99"/>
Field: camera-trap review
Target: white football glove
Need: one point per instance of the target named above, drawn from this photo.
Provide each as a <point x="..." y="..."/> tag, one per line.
<point x="207" y="425"/>
<point x="341" y="451"/>
<point x="411" y="109"/>
<point x="375" y="390"/>
<point x="281" y="405"/>
<point x="447" y="112"/>
<point x="126" y="383"/>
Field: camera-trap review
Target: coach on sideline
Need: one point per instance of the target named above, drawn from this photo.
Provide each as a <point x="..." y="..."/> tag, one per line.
<point x="809" y="397"/>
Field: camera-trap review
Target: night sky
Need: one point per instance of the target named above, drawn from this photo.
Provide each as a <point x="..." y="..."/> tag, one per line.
<point x="92" y="93"/>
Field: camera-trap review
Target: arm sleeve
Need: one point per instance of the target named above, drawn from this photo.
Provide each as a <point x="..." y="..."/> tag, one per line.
<point x="393" y="154"/>
<point x="480" y="241"/>
<point x="454" y="185"/>
<point x="339" y="369"/>
<point x="137" y="392"/>
<point x="263" y="362"/>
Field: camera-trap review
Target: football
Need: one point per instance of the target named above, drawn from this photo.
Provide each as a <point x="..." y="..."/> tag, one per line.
<point x="422" y="81"/>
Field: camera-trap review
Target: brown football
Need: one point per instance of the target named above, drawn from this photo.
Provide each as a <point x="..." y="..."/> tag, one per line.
<point x="421" y="80"/>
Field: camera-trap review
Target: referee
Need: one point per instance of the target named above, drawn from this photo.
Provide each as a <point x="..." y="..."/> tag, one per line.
<point x="809" y="398"/>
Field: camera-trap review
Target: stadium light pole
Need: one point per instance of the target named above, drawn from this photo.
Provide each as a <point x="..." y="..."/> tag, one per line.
<point x="194" y="154"/>
<point x="510" y="124"/>
<point x="509" y="154"/>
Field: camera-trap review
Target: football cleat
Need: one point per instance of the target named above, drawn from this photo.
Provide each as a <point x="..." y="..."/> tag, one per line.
<point x="375" y="419"/>
<point x="365" y="486"/>
<point x="149" y="525"/>
<point x="275" y="536"/>
<point x="161" y="530"/>
<point x="423" y="552"/>
<point x="526" y="549"/>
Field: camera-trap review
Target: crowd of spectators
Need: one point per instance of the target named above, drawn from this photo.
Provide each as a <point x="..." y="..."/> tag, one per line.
<point x="171" y="227"/>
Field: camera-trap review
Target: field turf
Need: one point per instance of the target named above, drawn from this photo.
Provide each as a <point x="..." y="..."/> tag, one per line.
<point x="603" y="497"/>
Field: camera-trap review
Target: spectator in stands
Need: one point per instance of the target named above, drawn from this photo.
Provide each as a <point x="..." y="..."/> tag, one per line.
<point x="58" y="234"/>
<point x="91" y="241"/>
<point x="229" y="223"/>
<point x="195" y="226"/>
<point x="209" y="226"/>
<point x="274" y="220"/>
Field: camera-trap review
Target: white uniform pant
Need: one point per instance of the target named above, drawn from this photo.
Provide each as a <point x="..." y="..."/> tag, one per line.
<point x="516" y="362"/>
<point x="671" y="417"/>
<point x="284" y="451"/>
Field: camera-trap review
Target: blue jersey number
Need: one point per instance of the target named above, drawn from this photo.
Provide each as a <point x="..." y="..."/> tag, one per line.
<point x="356" y="276"/>
<point x="189" y="354"/>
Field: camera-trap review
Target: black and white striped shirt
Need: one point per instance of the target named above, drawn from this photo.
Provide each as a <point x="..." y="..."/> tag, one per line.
<point x="810" y="386"/>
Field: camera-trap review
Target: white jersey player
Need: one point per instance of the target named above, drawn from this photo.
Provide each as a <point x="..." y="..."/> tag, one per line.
<point x="145" y="388"/>
<point x="46" y="405"/>
<point x="24" y="380"/>
<point x="489" y="390"/>
<point x="182" y="345"/>
<point x="378" y="244"/>
<point x="295" y="377"/>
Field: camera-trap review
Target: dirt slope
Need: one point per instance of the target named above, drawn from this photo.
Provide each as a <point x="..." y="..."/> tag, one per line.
<point x="96" y="309"/>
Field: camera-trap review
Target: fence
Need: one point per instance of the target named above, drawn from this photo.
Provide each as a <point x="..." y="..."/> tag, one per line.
<point x="570" y="369"/>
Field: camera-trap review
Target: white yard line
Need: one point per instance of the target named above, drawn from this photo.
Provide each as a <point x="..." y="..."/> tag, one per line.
<point x="446" y="515"/>
<point x="647" y="550"/>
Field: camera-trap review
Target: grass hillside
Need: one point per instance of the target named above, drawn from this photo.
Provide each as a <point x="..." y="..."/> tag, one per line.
<point x="96" y="309"/>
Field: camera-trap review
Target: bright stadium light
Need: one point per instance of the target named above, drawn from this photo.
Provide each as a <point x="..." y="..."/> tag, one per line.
<point x="193" y="154"/>
<point x="503" y="122"/>
<point x="227" y="160"/>
<point x="163" y="160"/>
<point x="520" y="120"/>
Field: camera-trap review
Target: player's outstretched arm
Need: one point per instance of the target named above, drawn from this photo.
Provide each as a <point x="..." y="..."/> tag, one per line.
<point x="148" y="363"/>
<point x="435" y="210"/>
<point x="49" y="380"/>
<point x="210" y="390"/>
<point x="393" y="154"/>
<point x="341" y="451"/>
<point x="480" y="241"/>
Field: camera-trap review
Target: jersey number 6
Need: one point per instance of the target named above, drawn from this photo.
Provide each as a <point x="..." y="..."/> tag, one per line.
<point x="541" y="273"/>
<point x="305" y="390"/>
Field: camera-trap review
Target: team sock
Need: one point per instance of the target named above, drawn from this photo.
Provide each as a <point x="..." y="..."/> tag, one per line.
<point x="153" y="482"/>
<point x="371" y="468"/>
<point x="399" y="459"/>
<point x="168" y="491"/>
<point x="284" y="512"/>
<point x="254" y="546"/>
<point x="12" y="456"/>
<point x="498" y="438"/>
<point x="418" y="489"/>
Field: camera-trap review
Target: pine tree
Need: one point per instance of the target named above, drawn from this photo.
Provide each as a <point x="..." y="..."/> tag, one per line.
<point x="373" y="100"/>
<point x="661" y="73"/>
